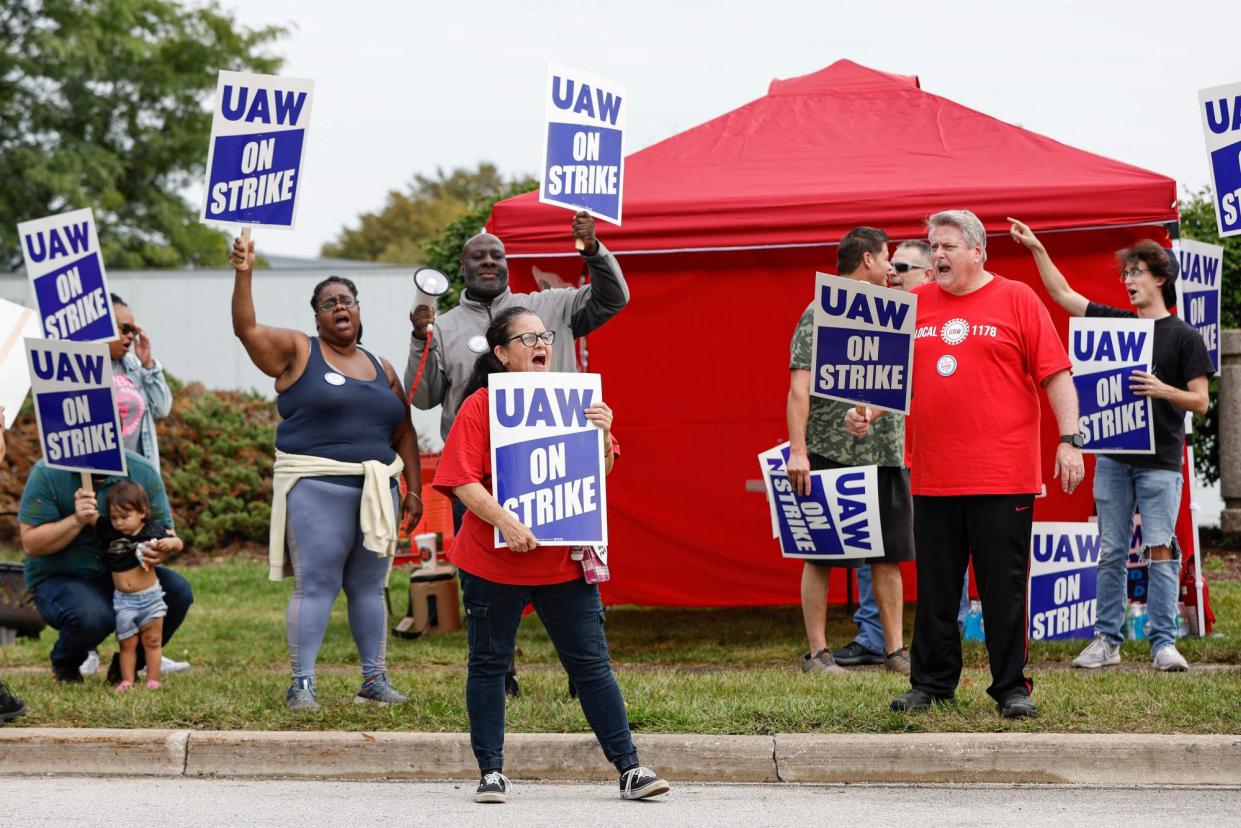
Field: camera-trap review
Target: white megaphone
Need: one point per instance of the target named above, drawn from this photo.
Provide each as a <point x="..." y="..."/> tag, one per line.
<point x="430" y="284"/>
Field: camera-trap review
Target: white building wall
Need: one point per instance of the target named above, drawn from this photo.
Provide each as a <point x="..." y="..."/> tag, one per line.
<point x="188" y="316"/>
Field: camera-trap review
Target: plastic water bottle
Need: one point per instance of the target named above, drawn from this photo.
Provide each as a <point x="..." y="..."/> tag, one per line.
<point x="973" y="623"/>
<point x="1181" y="625"/>
<point x="1137" y="621"/>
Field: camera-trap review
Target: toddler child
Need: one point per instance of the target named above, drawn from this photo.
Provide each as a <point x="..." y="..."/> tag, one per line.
<point x="138" y="599"/>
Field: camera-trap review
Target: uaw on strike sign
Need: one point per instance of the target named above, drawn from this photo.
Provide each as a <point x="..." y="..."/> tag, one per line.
<point x="583" y="149"/>
<point x="838" y="520"/>
<point x="65" y="267"/>
<point x="1105" y="353"/>
<point x="254" y="163"/>
<point x="1221" y="124"/>
<point x="1202" y="266"/>
<point x="75" y="406"/>
<point x="863" y="343"/>
<point x="1064" y="562"/>
<point x="547" y="465"/>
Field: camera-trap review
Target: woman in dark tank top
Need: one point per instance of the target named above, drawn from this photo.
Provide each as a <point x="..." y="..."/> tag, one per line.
<point x="341" y="405"/>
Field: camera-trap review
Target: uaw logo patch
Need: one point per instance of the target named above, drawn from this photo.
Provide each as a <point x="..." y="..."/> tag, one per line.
<point x="946" y="365"/>
<point x="954" y="331"/>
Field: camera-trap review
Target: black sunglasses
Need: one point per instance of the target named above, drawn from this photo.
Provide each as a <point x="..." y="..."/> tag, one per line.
<point x="903" y="267"/>
<point x="127" y="328"/>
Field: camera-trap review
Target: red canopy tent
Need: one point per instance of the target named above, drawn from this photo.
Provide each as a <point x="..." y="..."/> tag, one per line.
<point x="725" y="225"/>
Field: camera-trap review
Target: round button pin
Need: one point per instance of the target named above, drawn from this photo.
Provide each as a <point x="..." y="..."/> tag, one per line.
<point x="333" y="378"/>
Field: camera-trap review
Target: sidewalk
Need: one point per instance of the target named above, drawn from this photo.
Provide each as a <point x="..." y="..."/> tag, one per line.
<point x="1046" y="758"/>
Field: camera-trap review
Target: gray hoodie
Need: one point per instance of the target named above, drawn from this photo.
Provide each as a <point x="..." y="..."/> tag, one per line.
<point x="570" y="312"/>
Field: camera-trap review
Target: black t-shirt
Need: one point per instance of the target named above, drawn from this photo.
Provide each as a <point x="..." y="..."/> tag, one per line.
<point x="119" y="550"/>
<point x="1178" y="355"/>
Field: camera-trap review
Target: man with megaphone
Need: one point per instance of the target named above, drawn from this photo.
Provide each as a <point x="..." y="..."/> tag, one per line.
<point x="442" y="350"/>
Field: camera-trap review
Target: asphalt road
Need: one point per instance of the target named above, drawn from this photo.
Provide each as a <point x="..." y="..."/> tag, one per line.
<point x="48" y="801"/>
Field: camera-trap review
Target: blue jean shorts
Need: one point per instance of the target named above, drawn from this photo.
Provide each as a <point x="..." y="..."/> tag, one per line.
<point x="134" y="610"/>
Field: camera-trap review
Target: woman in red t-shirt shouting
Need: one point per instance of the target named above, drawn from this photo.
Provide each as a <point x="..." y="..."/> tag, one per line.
<point x="498" y="583"/>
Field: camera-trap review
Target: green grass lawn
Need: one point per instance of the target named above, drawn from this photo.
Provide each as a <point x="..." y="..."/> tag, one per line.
<point x="706" y="671"/>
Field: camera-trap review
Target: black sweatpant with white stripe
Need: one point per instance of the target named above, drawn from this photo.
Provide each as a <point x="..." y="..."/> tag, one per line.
<point x="995" y="529"/>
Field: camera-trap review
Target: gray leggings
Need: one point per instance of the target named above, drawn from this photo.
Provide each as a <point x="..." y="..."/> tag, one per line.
<point x="324" y="543"/>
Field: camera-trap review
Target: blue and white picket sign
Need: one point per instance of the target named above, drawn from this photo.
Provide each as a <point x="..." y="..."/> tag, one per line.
<point x="838" y="520"/>
<point x="75" y="406"/>
<point x="1064" y="563"/>
<point x="547" y="466"/>
<point x="1105" y="352"/>
<point x="258" y="141"/>
<point x="66" y="273"/>
<point x="1221" y="124"/>
<point x="1202" y="270"/>
<point x="863" y="343"/>
<point x="17" y="322"/>
<point x="583" y="146"/>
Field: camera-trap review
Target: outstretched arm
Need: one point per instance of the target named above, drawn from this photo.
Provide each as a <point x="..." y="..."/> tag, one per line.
<point x="1053" y="279"/>
<point x="607" y="292"/>
<point x="273" y="350"/>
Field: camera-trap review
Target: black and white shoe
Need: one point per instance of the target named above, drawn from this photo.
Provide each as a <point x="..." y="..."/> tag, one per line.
<point x="641" y="783"/>
<point x="493" y="788"/>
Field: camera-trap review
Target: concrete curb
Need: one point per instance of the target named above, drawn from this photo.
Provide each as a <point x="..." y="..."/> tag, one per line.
<point x="1046" y="758"/>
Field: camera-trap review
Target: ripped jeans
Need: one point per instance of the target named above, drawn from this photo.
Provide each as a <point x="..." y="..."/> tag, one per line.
<point x="1119" y="490"/>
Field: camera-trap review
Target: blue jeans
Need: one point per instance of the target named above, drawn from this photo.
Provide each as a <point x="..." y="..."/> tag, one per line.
<point x="573" y="616"/>
<point x="1119" y="488"/>
<point x="869" y="628"/>
<point x="81" y="609"/>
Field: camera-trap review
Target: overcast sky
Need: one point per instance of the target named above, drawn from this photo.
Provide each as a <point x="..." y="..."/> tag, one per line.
<point x="404" y="88"/>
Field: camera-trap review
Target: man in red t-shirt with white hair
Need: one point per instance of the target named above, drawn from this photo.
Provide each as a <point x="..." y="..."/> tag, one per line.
<point x="983" y="347"/>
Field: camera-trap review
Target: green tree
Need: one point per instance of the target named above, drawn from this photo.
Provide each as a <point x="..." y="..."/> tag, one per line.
<point x="1198" y="222"/>
<point x="101" y="106"/>
<point x="443" y="250"/>
<point x="400" y="231"/>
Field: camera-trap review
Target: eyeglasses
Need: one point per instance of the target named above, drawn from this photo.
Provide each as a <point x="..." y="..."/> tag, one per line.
<point x="1132" y="274"/>
<point x="904" y="267"/>
<point x="346" y="302"/>
<point x="530" y="337"/>
<point x="126" y="328"/>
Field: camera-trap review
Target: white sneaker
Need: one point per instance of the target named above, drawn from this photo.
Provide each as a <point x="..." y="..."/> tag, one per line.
<point x="1169" y="660"/>
<point x="91" y="665"/>
<point x="168" y="666"/>
<point x="1098" y="653"/>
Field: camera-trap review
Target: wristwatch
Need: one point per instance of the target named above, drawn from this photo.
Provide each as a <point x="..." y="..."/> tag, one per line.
<point x="1074" y="440"/>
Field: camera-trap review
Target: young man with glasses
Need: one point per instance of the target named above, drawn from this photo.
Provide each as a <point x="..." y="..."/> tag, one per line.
<point x="1149" y="482"/>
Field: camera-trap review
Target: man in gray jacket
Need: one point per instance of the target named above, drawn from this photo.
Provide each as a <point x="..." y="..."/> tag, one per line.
<point x="458" y="337"/>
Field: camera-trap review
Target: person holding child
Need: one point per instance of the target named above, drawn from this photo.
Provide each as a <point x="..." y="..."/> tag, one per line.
<point x="138" y="599"/>
<point x="344" y="440"/>
<point x="498" y="583"/>
<point x="64" y="561"/>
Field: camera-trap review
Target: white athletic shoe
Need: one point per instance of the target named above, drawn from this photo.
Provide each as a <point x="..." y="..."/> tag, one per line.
<point x="168" y="666"/>
<point x="1169" y="660"/>
<point x="1098" y="653"/>
<point x="91" y="665"/>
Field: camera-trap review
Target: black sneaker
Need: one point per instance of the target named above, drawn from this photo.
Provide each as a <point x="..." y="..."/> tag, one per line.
<point x="641" y="783"/>
<point x="10" y="706"/>
<point x="1019" y="705"/>
<point x="66" y="674"/>
<point x="855" y="654"/>
<point x="917" y="701"/>
<point x="493" y="788"/>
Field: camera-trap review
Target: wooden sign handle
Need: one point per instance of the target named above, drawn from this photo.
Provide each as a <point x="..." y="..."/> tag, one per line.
<point x="245" y="237"/>
<point x="579" y="244"/>
<point x="87" y="485"/>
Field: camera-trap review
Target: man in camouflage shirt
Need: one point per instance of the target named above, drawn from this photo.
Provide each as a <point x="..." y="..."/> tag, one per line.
<point x="818" y="440"/>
